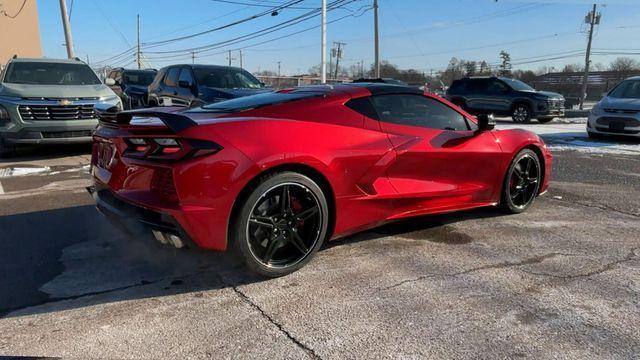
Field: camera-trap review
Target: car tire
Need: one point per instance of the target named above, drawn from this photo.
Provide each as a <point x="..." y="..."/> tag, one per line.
<point x="595" y="136"/>
<point x="544" y="120"/>
<point x="275" y="238"/>
<point x="521" y="182"/>
<point x="521" y="113"/>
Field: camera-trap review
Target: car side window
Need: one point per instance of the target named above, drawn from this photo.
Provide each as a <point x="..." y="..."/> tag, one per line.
<point x="185" y="75"/>
<point x="496" y="87"/>
<point x="171" y="79"/>
<point x="417" y="110"/>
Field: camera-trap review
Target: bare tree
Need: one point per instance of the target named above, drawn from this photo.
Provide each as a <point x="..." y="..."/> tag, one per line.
<point x="624" y="64"/>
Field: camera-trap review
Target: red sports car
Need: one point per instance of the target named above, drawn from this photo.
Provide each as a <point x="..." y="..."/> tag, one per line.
<point x="272" y="176"/>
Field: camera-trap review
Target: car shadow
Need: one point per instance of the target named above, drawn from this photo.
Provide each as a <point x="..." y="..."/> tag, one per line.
<point x="68" y="258"/>
<point x="45" y="152"/>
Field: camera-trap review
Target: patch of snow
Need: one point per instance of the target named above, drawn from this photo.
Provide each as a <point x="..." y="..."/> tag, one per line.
<point x="22" y="171"/>
<point x="572" y="135"/>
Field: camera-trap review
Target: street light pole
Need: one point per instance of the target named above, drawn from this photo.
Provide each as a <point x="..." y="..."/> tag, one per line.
<point x="138" y="43"/>
<point x="67" y="29"/>
<point x="376" y="38"/>
<point x="323" y="66"/>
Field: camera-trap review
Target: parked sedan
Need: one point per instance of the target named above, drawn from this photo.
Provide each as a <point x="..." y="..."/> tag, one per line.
<point x="272" y="176"/>
<point x="196" y="85"/>
<point x="618" y="113"/>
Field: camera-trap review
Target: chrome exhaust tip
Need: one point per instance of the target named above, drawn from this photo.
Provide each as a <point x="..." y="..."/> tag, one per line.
<point x="159" y="236"/>
<point x="168" y="239"/>
<point x="176" y="241"/>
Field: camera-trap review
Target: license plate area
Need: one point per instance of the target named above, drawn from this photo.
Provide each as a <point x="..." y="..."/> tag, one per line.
<point x="616" y="125"/>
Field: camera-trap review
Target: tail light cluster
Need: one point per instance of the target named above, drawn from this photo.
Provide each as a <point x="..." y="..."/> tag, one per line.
<point x="168" y="149"/>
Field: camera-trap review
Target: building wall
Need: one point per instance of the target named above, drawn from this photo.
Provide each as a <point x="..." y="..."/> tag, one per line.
<point x="21" y="35"/>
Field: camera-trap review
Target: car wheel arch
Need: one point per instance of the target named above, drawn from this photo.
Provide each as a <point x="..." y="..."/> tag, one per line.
<point x="543" y="166"/>
<point x="304" y="169"/>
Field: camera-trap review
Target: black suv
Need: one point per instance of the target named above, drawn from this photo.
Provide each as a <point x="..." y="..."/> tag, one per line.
<point x="504" y="96"/>
<point x="196" y="85"/>
<point x="132" y="86"/>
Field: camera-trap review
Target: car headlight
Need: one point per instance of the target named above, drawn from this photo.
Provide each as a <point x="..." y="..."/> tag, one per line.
<point x="596" y="110"/>
<point x="5" y="118"/>
<point x="109" y="99"/>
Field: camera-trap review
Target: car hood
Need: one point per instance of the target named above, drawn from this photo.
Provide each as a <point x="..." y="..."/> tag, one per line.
<point x="550" y="94"/>
<point x="54" y="91"/>
<point x="620" y="104"/>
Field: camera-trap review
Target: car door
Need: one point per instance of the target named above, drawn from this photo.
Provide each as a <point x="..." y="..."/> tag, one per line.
<point x="168" y="90"/>
<point x="186" y="87"/>
<point x="498" y="96"/>
<point x="442" y="161"/>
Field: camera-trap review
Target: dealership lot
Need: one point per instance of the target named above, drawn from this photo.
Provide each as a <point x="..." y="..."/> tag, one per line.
<point x="561" y="280"/>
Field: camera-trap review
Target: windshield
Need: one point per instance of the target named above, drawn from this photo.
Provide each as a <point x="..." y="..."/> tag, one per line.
<point x="518" y="85"/>
<point x="226" y="78"/>
<point x="41" y="73"/>
<point x="259" y="100"/>
<point x="139" y="77"/>
<point x="628" y="89"/>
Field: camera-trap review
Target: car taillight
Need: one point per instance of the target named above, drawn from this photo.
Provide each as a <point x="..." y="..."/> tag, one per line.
<point x="168" y="149"/>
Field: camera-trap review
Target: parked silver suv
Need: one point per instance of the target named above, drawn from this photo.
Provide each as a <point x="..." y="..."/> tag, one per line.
<point x="618" y="113"/>
<point x="49" y="101"/>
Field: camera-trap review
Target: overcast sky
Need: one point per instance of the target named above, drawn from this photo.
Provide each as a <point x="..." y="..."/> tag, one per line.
<point x="421" y="34"/>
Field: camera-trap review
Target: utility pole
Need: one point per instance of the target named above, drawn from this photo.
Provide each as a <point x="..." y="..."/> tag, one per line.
<point x="67" y="29"/>
<point x="229" y="56"/>
<point x="338" y="56"/>
<point x="193" y="57"/>
<point x="138" y="45"/>
<point x="278" y="83"/>
<point x="241" y="59"/>
<point x="592" y="19"/>
<point x="376" y="38"/>
<point x="323" y="63"/>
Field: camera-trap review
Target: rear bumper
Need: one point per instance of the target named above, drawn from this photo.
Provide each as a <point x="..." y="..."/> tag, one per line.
<point x="136" y="220"/>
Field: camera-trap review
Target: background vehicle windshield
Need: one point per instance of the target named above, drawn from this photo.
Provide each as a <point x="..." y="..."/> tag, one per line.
<point x="226" y="78"/>
<point x="629" y="89"/>
<point x="139" y="77"/>
<point x="39" y="73"/>
<point x="518" y="85"/>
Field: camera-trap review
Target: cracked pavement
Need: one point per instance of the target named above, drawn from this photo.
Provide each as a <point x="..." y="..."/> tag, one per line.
<point x="559" y="281"/>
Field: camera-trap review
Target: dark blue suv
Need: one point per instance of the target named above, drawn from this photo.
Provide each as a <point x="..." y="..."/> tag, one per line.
<point x="504" y="96"/>
<point x="196" y="85"/>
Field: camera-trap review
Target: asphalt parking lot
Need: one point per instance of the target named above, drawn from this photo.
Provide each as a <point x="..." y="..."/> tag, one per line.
<point x="559" y="281"/>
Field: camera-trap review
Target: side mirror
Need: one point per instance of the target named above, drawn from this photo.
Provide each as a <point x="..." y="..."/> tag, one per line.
<point x="184" y="84"/>
<point x="109" y="82"/>
<point x="486" y="122"/>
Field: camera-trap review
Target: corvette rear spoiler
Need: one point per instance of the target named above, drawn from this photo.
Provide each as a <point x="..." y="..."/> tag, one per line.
<point x="110" y="115"/>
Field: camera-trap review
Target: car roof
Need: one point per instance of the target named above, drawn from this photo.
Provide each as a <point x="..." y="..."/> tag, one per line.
<point x="204" y="66"/>
<point x="385" y="88"/>
<point x="47" y="60"/>
<point x="633" y="78"/>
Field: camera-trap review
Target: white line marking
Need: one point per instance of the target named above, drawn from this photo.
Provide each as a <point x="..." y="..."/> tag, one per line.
<point x="1" y="189"/>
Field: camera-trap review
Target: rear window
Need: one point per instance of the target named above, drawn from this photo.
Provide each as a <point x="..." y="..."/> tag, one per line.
<point x="260" y="100"/>
<point x="42" y="73"/>
<point x="139" y="77"/>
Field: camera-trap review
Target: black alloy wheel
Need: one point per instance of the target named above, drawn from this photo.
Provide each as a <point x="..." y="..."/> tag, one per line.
<point x="522" y="182"/>
<point x="282" y="224"/>
<point x="521" y="113"/>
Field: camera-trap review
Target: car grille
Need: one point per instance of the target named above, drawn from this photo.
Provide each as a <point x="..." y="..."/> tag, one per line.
<point x="556" y="104"/>
<point x="56" y="112"/>
<point x="66" y="134"/>
<point x="621" y="111"/>
<point x="628" y="122"/>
